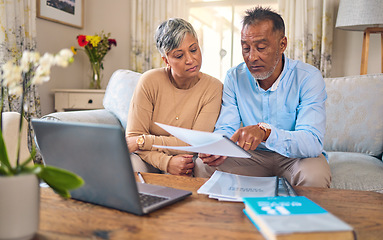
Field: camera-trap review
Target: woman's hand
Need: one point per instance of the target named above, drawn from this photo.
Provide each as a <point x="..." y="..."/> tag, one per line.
<point x="181" y="165"/>
<point x="132" y="143"/>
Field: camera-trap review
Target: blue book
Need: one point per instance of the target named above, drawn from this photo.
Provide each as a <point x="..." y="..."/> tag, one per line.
<point x="294" y="218"/>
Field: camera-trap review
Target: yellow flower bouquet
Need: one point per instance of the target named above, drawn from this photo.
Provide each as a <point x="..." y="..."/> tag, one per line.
<point x="96" y="47"/>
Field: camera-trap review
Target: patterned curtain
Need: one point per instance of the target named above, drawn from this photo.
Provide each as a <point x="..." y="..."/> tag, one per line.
<point x="18" y="33"/>
<point x="146" y="15"/>
<point x="309" y="31"/>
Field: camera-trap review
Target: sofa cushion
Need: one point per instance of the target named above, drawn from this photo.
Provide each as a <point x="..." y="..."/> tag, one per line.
<point x="354" y="114"/>
<point x="356" y="171"/>
<point x="99" y="116"/>
<point x="119" y="92"/>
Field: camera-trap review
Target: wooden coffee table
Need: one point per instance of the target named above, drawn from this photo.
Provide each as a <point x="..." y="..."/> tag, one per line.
<point x="196" y="217"/>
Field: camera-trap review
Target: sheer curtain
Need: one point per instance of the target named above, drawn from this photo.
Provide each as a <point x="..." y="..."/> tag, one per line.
<point x="309" y="31"/>
<point x="146" y="15"/>
<point x="18" y="33"/>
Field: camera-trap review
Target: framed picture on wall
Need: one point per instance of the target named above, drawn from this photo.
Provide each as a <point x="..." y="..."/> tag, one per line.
<point x="68" y="12"/>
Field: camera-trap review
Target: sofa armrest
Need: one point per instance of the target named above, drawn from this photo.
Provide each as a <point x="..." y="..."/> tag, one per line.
<point x="100" y="116"/>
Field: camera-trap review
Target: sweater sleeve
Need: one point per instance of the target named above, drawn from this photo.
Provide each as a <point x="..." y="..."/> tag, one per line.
<point x="142" y="117"/>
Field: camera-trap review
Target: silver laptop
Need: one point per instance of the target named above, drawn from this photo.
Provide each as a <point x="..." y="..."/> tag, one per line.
<point x="99" y="154"/>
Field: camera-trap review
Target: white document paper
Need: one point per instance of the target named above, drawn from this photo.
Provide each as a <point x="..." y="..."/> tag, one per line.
<point x="204" y="142"/>
<point x="232" y="187"/>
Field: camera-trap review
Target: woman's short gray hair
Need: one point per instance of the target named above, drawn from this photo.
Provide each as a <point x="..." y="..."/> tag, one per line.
<point x="170" y="34"/>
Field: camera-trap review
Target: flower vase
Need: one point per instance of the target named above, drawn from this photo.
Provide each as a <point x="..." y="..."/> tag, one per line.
<point x="95" y="81"/>
<point x="20" y="206"/>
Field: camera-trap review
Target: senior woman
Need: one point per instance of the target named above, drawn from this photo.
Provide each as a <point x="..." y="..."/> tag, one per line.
<point x="178" y="95"/>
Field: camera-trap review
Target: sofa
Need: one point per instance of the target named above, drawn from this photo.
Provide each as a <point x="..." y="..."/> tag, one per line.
<point x="354" y="130"/>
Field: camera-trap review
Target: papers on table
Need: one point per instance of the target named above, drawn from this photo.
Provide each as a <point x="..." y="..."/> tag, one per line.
<point x="204" y="142"/>
<point x="232" y="187"/>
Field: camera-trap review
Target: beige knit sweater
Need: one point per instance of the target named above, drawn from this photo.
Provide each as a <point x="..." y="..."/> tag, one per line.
<point x="156" y="99"/>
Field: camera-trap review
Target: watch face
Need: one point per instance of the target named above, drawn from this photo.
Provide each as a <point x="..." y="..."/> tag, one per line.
<point x="265" y="125"/>
<point x="140" y="140"/>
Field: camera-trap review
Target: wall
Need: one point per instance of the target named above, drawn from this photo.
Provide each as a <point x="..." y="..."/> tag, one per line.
<point x="110" y="16"/>
<point x="113" y="16"/>
<point x="347" y="52"/>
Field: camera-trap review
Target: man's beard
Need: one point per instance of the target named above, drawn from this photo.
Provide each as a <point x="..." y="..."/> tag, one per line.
<point x="266" y="75"/>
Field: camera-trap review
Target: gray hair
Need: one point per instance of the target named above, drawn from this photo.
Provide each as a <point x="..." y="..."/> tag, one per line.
<point x="259" y="14"/>
<point x="170" y="34"/>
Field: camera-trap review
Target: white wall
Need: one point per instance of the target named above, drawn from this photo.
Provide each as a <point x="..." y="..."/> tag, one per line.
<point x="347" y="52"/>
<point x="114" y="16"/>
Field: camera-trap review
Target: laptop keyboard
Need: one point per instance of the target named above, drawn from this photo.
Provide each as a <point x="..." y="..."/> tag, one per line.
<point x="148" y="200"/>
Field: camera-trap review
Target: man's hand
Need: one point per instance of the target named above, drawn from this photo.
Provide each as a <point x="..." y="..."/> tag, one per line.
<point x="212" y="160"/>
<point x="248" y="137"/>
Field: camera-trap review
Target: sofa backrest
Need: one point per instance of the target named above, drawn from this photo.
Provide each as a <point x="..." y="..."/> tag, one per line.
<point x="354" y="110"/>
<point x="119" y="92"/>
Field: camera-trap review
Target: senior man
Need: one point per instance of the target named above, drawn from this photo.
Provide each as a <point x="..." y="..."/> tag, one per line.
<point x="274" y="107"/>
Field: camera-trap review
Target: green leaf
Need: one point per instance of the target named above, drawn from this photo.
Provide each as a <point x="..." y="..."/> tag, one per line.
<point x="62" y="192"/>
<point x="4" y="160"/>
<point x="36" y="169"/>
<point x="30" y="158"/>
<point x="4" y="170"/>
<point x="60" y="180"/>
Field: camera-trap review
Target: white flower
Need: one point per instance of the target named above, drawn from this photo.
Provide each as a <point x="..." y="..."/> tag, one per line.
<point x="33" y="69"/>
<point x="47" y="60"/>
<point x="28" y="60"/>
<point x="64" y="57"/>
<point x="41" y="75"/>
<point x="16" y="90"/>
<point x="11" y="74"/>
<point x="38" y="80"/>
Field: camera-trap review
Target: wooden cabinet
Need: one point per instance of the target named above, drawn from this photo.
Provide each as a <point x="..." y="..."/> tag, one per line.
<point x="78" y="99"/>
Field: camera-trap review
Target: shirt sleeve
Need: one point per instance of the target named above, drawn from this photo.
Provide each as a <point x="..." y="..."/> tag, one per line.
<point x="229" y="119"/>
<point x="306" y="140"/>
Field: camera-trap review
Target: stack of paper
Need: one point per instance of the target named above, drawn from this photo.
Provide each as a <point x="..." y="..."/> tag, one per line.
<point x="231" y="187"/>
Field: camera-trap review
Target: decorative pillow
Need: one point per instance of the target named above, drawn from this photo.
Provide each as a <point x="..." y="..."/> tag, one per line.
<point x="354" y="114"/>
<point x="119" y="92"/>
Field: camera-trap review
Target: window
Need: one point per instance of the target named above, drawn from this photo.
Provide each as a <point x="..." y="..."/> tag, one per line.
<point x="218" y="25"/>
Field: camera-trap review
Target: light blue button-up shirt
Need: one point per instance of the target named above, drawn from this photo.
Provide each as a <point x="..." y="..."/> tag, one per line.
<point x="294" y="107"/>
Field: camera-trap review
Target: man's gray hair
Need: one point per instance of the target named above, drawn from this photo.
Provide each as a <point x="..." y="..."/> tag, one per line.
<point x="170" y="34"/>
<point x="258" y="14"/>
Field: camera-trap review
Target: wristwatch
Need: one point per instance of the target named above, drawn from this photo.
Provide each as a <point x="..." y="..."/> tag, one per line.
<point x="265" y="127"/>
<point x="140" y="141"/>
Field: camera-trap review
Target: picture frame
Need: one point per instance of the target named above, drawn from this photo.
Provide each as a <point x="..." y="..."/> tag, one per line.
<point x="68" y="12"/>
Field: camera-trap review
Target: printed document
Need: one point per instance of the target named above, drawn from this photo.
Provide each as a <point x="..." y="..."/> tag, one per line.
<point x="204" y="142"/>
<point x="232" y="187"/>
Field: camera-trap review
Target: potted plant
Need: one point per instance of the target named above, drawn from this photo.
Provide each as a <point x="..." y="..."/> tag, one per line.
<point x="19" y="181"/>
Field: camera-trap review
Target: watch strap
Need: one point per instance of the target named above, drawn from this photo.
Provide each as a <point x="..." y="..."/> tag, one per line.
<point x="266" y="128"/>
